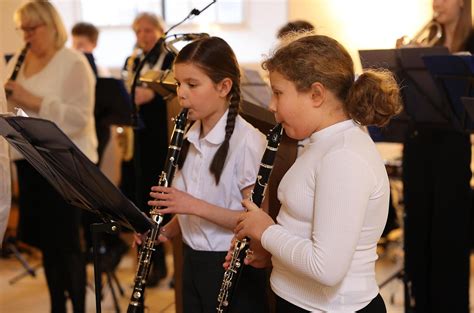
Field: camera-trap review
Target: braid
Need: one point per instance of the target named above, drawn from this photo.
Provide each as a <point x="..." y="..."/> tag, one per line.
<point x="183" y="153"/>
<point x="218" y="161"/>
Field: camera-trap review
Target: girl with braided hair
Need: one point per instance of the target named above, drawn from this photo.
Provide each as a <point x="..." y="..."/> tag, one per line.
<point x="218" y="167"/>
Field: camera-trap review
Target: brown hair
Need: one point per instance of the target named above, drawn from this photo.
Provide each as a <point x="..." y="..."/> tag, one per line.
<point x="463" y="27"/>
<point x="294" y="27"/>
<point x="86" y="29"/>
<point x="307" y="58"/>
<point x="43" y="12"/>
<point x="217" y="60"/>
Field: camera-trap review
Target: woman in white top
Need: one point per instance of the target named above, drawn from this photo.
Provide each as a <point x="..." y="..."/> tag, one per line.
<point x="335" y="196"/>
<point x="57" y="84"/>
<point x="221" y="157"/>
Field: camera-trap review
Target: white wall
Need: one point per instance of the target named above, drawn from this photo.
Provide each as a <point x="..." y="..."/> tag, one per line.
<point x="363" y="24"/>
<point x="10" y="39"/>
<point x="249" y="40"/>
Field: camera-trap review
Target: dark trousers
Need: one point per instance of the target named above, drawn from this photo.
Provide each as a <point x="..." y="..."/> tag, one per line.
<point x="375" y="306"/>
<point x="202" y="278"/>
<point x="49" y="223"/>
<point x="436" y="175"/>
<point x="65" y="272"/>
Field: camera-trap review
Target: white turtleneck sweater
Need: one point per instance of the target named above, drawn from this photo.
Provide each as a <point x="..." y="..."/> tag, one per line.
<point x="334" y="208"/>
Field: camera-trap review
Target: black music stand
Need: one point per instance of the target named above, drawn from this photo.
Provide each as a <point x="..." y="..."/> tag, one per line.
<point x="454" y="75"/>
<point x="424" y="103"/>
<point x="75" y="177"/>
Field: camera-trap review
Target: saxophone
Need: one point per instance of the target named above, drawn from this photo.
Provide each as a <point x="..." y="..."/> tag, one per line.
<point x="16" y="70"/>
<point x="136" y="304"/>
<point x="241" y="247"/>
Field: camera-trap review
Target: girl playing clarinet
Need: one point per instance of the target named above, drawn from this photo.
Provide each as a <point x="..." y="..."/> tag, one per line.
<point x="222" y="153"/>
<point x="335" y="196"/>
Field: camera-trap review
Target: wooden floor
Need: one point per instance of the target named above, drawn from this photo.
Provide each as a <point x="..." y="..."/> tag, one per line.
<point x="29" y="294"/>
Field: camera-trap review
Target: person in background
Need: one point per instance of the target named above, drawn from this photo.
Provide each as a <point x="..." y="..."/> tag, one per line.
<point x="54" y="83"/>
<point x="437" y="193"/>
<point x="5" y="181"/>
<point x="335" y="196"/>
<point x="294" y="27"/>
<point x="84" y="39"/>
<point x="151" y="145"/>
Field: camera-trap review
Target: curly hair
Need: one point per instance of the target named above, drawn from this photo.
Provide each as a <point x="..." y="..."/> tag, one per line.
<point x="308" y="58"/>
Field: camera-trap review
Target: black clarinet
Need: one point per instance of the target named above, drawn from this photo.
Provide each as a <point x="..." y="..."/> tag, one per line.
<point x="16" y="70"/>
<point x="136" y="304"/>
<point x="241" y="247"/>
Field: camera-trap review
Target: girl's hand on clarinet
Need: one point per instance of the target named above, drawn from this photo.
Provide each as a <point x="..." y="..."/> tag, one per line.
<point x="228" y="256"/>
<point x="257" y="256"/>
<point x="172" y="200"/>
<point x="253" y="222"/>
<point x="169" y="231"/>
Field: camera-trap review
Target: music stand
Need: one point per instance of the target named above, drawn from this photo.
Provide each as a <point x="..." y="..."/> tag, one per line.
<point x="75" y="177"/>
<point x="256" y="96"/>
<point x="424" y="104"/>
<point x="162" y="82"/>
<point x="454" y="76"/>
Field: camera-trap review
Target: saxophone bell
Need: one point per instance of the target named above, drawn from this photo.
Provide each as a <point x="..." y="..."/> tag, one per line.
<point x="428" y="36"/>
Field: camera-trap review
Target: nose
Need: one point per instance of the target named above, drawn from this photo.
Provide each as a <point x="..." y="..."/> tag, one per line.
<point x="181" y="94"/>
<point x="272" y="105"/>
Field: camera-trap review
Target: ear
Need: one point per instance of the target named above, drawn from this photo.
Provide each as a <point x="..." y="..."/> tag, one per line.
<point x="224" y="87"/>
<point x="318" y="94"/>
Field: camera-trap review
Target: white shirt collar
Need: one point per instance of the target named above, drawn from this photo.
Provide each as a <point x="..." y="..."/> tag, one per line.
<point x="331" y="130"/>
<point x="215" y="136"/>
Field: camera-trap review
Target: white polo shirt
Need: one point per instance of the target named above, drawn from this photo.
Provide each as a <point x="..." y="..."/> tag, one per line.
<point x="246" y="148"/>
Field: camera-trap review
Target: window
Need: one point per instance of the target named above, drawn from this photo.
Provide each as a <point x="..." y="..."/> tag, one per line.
<point x="221" y="12"/>
<point x="117" y="12"/>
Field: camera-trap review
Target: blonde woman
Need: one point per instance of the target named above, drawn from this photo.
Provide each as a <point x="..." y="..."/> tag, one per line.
<point x="57" y="84"/>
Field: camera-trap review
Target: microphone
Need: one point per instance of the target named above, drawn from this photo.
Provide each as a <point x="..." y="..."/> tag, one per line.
<point x="194" y="36"/>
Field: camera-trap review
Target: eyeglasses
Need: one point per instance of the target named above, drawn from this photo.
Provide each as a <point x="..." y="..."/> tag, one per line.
<point x="30" y="29"/>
